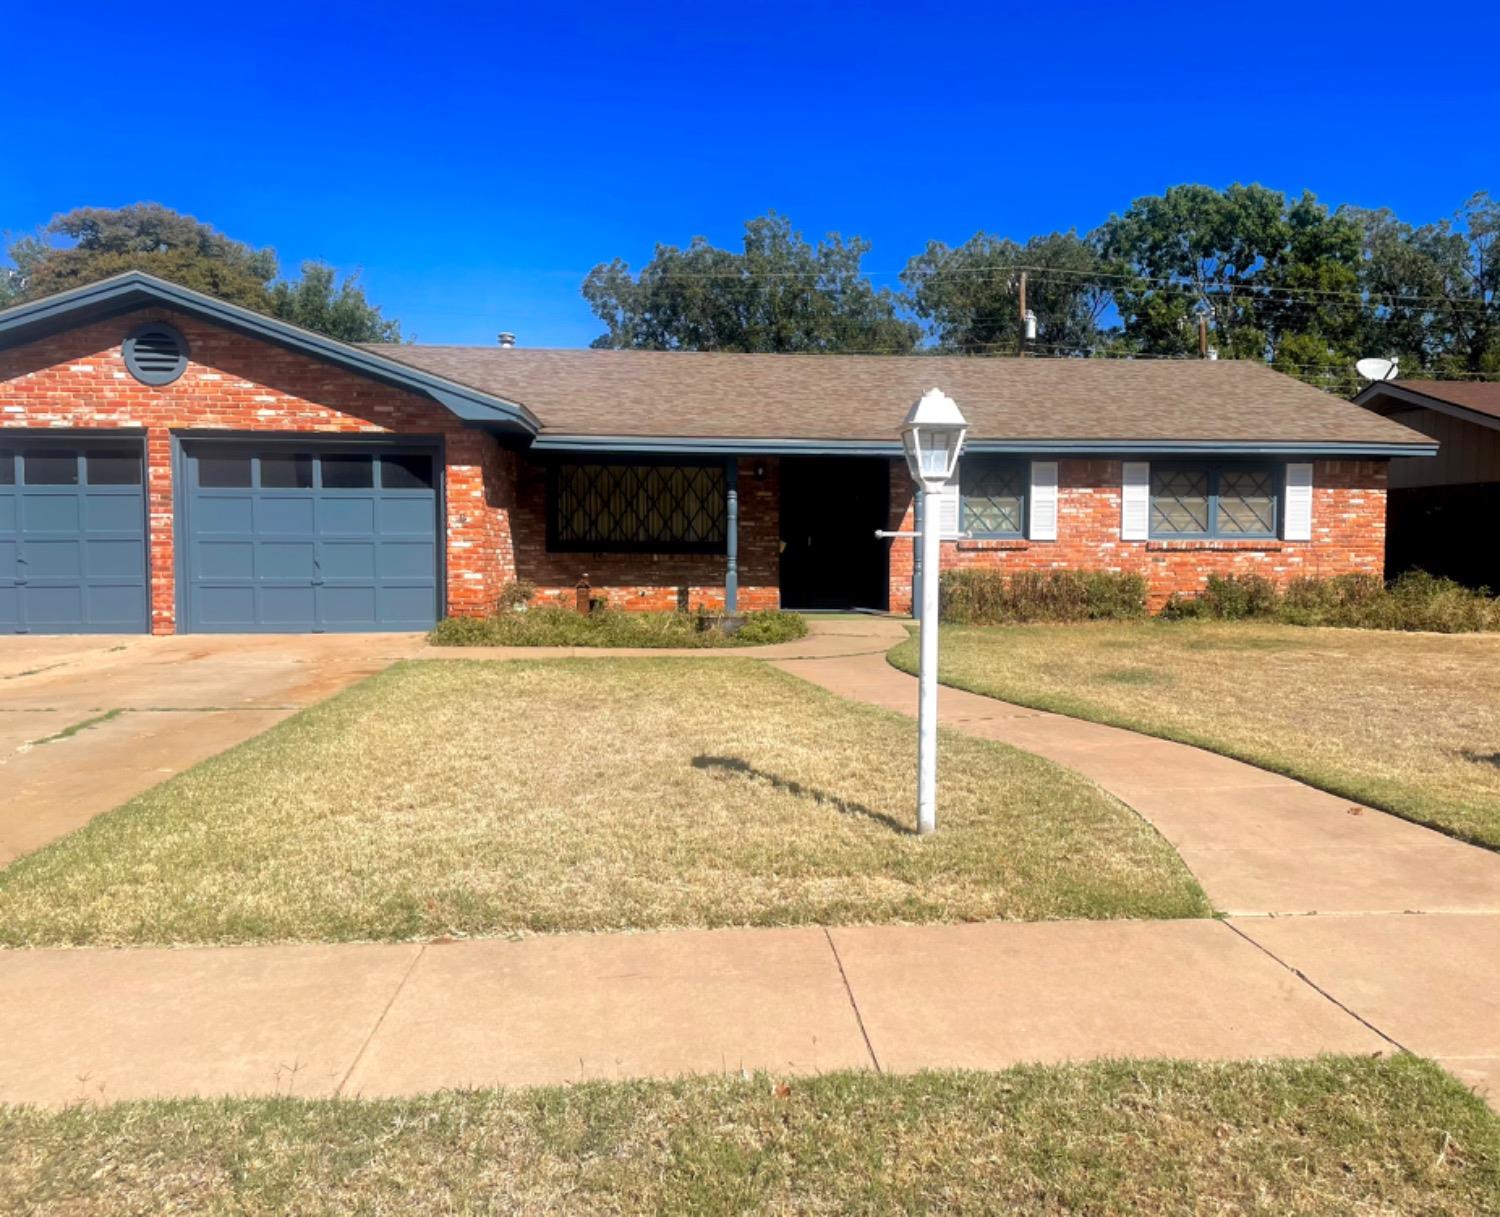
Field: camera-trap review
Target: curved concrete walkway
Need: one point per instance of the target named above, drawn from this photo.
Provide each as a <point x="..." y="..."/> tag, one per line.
<point x="411" y="1017"/>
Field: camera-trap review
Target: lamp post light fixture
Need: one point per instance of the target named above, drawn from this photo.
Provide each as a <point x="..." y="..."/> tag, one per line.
<point x="933" y="436"/>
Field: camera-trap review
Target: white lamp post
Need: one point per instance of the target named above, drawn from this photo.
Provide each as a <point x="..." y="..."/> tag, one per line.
<point x="933" y="436"/>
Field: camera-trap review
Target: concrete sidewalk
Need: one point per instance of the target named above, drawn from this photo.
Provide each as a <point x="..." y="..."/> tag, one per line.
<point x="1259" y="843"/>
<point x="403" y="1019"/>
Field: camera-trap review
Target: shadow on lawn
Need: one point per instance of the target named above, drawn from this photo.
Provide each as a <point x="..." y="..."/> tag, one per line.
<point x="726" y="765"/>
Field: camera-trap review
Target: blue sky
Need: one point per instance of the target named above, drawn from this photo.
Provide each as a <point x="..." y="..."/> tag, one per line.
<point x="476" y="160"/>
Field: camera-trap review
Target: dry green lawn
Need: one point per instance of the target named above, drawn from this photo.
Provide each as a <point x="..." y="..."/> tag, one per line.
<point x="1332" y="1137"/>
<point x="1407" y="722"/>
<point x="469" y="798"/>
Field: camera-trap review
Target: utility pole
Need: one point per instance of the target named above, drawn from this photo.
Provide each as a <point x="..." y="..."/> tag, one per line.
<point x="1021" y="317"/>
<point x="1202" y="335"/>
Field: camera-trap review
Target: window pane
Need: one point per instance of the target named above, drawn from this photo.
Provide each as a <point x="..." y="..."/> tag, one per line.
<point x="7" y="467"/>
<point x="1179" y="501"/>
<point x="224" y="472"/>
<point x="286" y="472"/>
<point x="50" y="467"/>
<point x="641" y="508"/>
<point x="348" y="472"/>
<point x="406" y="472"/>
<point x="113" y="467"/>
<point x="994" y="497"/>
<point x="1247" y="503"/>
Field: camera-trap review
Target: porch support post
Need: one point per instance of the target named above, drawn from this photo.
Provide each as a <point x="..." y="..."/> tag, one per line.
<point x="732" y="539"/>
<point x="916" y="565"/>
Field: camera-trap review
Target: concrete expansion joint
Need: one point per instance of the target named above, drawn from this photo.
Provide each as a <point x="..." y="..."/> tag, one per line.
<point x="853" y="1002"/>
<point x="1318" y="989"/>
<point x="380" y="1020"/>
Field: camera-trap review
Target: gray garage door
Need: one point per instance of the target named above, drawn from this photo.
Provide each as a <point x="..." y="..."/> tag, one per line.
<point x="72" y="536"/>
<point x="288" y="538"/>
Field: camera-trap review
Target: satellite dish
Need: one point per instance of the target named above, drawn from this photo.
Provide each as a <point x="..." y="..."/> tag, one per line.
<point x="1377" y="369"/>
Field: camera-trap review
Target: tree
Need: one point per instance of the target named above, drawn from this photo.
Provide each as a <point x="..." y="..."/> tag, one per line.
<point x="1277" y="281"/>
<point x="340" y="310"/>
<point x="159" y="241"/>
<point x="1431" y="292"/>
<point x="969" y="295"/>
<point x="779" y="294"/>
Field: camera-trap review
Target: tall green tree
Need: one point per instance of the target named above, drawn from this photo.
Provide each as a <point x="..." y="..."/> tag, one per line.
<point x="970" y="294"/>
<point x="318" y="301"/>
<point x="1431" y="291"/>
<point x="93" y="243"/>
<point x="778" y="294"/>
<point x="1277" y="280"/>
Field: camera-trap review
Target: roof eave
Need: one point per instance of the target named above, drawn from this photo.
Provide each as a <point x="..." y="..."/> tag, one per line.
<point x="768" y="446"/>
<point x="133" y="289"/>
<point x="1401" y="395"/>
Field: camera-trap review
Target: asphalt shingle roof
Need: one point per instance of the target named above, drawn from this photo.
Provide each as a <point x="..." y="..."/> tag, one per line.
<point x="859" y="397"/>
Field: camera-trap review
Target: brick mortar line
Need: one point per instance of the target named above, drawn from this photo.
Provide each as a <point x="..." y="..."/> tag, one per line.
<point x="1317" y="988"/>
<point x="338" y="1091"/>
<point x="853" y="1004"/>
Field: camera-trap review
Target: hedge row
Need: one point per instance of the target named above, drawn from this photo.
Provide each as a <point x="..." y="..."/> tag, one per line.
<point x="986" y="597"/>
<point x="1413" y="601"/>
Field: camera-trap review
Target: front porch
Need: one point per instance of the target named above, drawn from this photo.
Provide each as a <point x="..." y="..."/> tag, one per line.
<point x="661" y="532"/>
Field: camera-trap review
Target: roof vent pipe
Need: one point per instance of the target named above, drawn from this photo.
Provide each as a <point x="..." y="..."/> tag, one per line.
<point x="507" y="339"/>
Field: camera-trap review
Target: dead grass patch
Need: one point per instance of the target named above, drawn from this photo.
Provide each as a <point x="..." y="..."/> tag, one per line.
<point x="1279" y="1139"/>
<point x="1405" y="722"/>
<point x="485" y="798"/>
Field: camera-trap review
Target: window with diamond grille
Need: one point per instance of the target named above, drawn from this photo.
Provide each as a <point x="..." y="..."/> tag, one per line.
<point x="656" y="508"/>
<point x="1207" y="501"/>
<point x="994" y="497"/>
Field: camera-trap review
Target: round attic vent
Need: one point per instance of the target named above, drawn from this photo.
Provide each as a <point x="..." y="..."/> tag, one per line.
<point x="155" y="354"/>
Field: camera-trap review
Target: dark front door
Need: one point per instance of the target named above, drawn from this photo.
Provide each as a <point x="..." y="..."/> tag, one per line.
<point x="830" y="510"/>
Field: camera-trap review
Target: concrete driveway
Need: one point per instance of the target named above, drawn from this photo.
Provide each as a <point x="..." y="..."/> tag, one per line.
<point x="86" y="723"/>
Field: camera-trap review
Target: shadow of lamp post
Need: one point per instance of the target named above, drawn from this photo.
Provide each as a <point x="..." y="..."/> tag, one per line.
<point x="933" y="436"/>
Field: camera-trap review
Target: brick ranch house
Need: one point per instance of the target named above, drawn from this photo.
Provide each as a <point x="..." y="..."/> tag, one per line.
<point x="172" y="463"/>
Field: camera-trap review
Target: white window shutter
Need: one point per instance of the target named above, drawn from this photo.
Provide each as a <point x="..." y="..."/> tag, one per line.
<point x="1043" y="501"/>
<point x="948" y="513"/>
<point x="1298" y="512"/>
<point x="1135" y="500"/>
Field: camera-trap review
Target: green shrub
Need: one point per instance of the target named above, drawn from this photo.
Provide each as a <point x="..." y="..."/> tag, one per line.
<point x="987" y="597"/>
<point x="1413" y="601"/>
<point x="555" y="626"/>
<point x="1228" y="598"/>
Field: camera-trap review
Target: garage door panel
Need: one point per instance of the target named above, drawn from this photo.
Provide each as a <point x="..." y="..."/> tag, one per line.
<point x="114" y="608"/>
<point x="54" y="607"/>
<point x="343" y="516"/>
<point x="319" y="546"/>
<point x="408" y="560"/>
<point x="221" y="607"/>
<point x="288" y="515"/>
<point x="113" y="559"/>
<point x="347" y="607"/>
<point x="218" y="513"/>
<point x="9" y="515"/>
<point x="349" y="559"/>
<point x="112" y="511"/>
<point x="10" y="607"/>
<point x="54" y="559"/>
<point x="289" y="607"/>
<point x="406" y="515"/>
<point x="44" y="512"/>
<point x="285" y="560"/>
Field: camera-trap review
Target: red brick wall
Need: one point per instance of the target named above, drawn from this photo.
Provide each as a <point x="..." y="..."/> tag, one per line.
<point x="78" y="380"/>
<point x="1348" y="535"/>
<point x="656" y="582"/>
